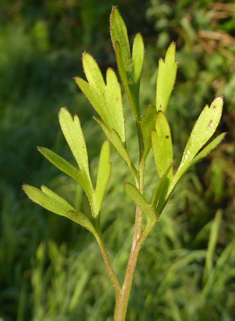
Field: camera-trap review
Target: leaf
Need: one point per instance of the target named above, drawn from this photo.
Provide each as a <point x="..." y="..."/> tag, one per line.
<point x="70" y="170"/>
<point x="166" y="78"/>
<point x="74" y="136"/>
<point x="201" y="133"/>
<point x="105" y="98"/>
<point x="48" y="199"/>
<point x="161" y="190"/>
<point x="147" y="124"/>
<point x="203" y="130"/>
<point x="115" y="139"/>
<point x="58" y="205"/>
<point x="208" y="149"/>
<point x="103" y="175"/>
<point x="162" y="145"/>
<point x="118" y="33"/>
<point x="83" y="220"/>
<point x="129" y="67"/>
<point x="182" y="170"/>
<point x="140" y="201"/>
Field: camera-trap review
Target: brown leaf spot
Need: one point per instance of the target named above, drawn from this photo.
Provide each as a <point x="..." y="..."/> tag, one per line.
<point x="214" y="107"/>
<point x="167" y="136"/>
<point x="210" y="124"/>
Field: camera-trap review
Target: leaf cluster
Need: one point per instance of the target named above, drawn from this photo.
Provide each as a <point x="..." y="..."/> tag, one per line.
<point x="153" y="131"/>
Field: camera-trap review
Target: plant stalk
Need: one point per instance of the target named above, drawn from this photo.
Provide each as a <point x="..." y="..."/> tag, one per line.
<point x="108" y="264"/>
<point x="122" y="302"/>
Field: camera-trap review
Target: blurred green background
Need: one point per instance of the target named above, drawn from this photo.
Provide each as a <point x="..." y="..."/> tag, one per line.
<point x="51" y="269"/>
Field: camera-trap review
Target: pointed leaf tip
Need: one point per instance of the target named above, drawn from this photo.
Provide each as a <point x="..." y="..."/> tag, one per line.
<point x="203" y="129"/>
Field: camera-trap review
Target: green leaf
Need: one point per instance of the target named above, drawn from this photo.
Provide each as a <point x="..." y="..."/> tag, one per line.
<point x="208" y="149"/>
<point x="160" y="192"/>
<point x="74" y="136"/>
<point x="137" y="57"/>
<point x="162" y="145"/>
<point x="118" y="33"/>
<point x="83" y="220"/>
<point x="48" y="199"/>
<point x="70" y="170"/>
<point x="147" y="124"/>
<point x="58" y="205"/>
<point x="115" y="139"/>
<point x="129" y="67"/>
<point x="203" y="130"/>
<point x="201" y="133"/>
<point x="106" y="99"/>
<point x="140" y="201"/>
<point x="103" y="175"/>
<point x="182" y="170"/>
<point x="166" y="78"/>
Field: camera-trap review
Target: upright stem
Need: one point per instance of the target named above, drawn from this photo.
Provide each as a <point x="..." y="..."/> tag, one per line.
<point x="122" y="302"/>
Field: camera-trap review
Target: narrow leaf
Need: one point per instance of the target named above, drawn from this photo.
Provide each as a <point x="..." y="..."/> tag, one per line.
<point x="161" y="190"/>
<point x="114" y="107"/>
<point x="138" y="56"/>
<point x="103" y="175"/>
<point x="48" y="199"/>
<point x="147" y="124"/>
<point x="74" y="136"/>
<point x="208" y="149"/>
<point x="183" y="169"/>
<point x="115" y="139"/>
<point x="58" y="205"/>
<point x="118" y="33"/>
<point x="140" y="201"/>
<point x="166" y="78"/>
<point x="69" y="169"/>
<point x="132" y="89"/>
<point x="162" y="145"/>
<point x="105" y="98"/>
<point x="129" y="67"/>
<point x="201" y="133"/>
<point x="203" y="129"/>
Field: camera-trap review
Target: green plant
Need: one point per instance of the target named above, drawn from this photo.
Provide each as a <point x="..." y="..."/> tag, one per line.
<point x="153" y="131"/>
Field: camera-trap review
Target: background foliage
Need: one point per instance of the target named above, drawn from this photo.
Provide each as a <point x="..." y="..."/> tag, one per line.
<point x="51" y="269"/>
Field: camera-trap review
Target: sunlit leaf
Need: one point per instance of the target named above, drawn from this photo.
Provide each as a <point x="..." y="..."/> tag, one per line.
<point x="115" y="139"/>
<point x="166" y="78"/>
<point x="69" y="169"/>
<point x="129" y="67"/>
<point x="201" y="133"/>
<point x="208" y="149"/>
<point x="204" y="128"/>
<point x="73" y="134"/>
<point x="105" y="98"/>
<point x="162" y="145"/>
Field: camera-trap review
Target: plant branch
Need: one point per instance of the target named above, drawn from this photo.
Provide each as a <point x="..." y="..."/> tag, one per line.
<point x="108" y="264"/>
